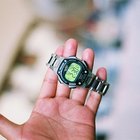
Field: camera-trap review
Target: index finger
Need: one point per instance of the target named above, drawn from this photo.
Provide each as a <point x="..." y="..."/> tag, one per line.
<point x="49" y="85"/>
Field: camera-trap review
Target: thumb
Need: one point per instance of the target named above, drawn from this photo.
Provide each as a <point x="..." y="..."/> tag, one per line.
<point x="8" y="129"/>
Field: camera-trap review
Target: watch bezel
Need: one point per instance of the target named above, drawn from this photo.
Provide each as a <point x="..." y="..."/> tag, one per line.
<point x="79" y="81"/>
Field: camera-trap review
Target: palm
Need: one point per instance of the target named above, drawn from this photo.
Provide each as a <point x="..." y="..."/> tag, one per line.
<point x="58" y="114"/>
<point x="66" y="116"/>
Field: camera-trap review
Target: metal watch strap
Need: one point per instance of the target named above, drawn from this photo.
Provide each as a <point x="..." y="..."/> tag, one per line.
<point x="99" y="85"/>
<point x="92" y="81"/>
<point x="54" y="62"/>
<point x="96" y="84"/>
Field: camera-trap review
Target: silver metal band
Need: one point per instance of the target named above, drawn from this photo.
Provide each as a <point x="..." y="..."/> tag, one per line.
<point x="99" y="85"/>
<point x="92" y="81"/>
<point x="55" y="62"/>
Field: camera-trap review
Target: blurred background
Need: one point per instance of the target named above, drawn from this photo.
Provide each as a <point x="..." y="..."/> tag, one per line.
<point x="31" y="30"/>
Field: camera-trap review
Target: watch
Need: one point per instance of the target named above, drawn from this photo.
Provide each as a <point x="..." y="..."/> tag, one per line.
<point x="75" y="72"/>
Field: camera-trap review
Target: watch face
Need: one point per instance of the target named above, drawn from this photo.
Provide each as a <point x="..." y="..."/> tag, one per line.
<point x="72" y="72"/>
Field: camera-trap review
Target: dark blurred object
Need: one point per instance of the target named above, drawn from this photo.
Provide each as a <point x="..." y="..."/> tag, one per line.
<point x="101" y="136"/>
<point x="120" y="5"/>
<point x="26" y="59"/>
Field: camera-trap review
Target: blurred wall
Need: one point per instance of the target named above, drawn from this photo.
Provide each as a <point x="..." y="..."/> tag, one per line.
<point x="15" y="16"/>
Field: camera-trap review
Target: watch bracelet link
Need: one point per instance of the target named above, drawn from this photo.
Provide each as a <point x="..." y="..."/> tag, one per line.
<point x="92" y="81"/>
<point x="99" y="85"/>
<point x="54" y="62"/>
<point x="96" y="84"/>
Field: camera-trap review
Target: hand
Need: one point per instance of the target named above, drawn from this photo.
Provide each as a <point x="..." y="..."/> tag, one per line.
<point x="59" y="113"/>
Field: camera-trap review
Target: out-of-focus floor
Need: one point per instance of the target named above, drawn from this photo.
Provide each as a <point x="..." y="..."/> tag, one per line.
<point x="122" y="123"/>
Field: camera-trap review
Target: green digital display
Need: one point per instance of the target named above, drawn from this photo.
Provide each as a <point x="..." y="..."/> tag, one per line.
<point x="72" y="72"/>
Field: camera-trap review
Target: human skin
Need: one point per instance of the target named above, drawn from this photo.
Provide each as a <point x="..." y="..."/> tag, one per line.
<point x="59" y="113"/>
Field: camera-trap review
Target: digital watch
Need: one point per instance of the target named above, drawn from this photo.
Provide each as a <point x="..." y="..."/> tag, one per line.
<point x="75" y="72"/>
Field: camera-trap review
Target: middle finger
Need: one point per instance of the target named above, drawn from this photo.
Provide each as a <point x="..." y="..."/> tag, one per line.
<point x="69" y="50"/>
<point x="79" y="94"/>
